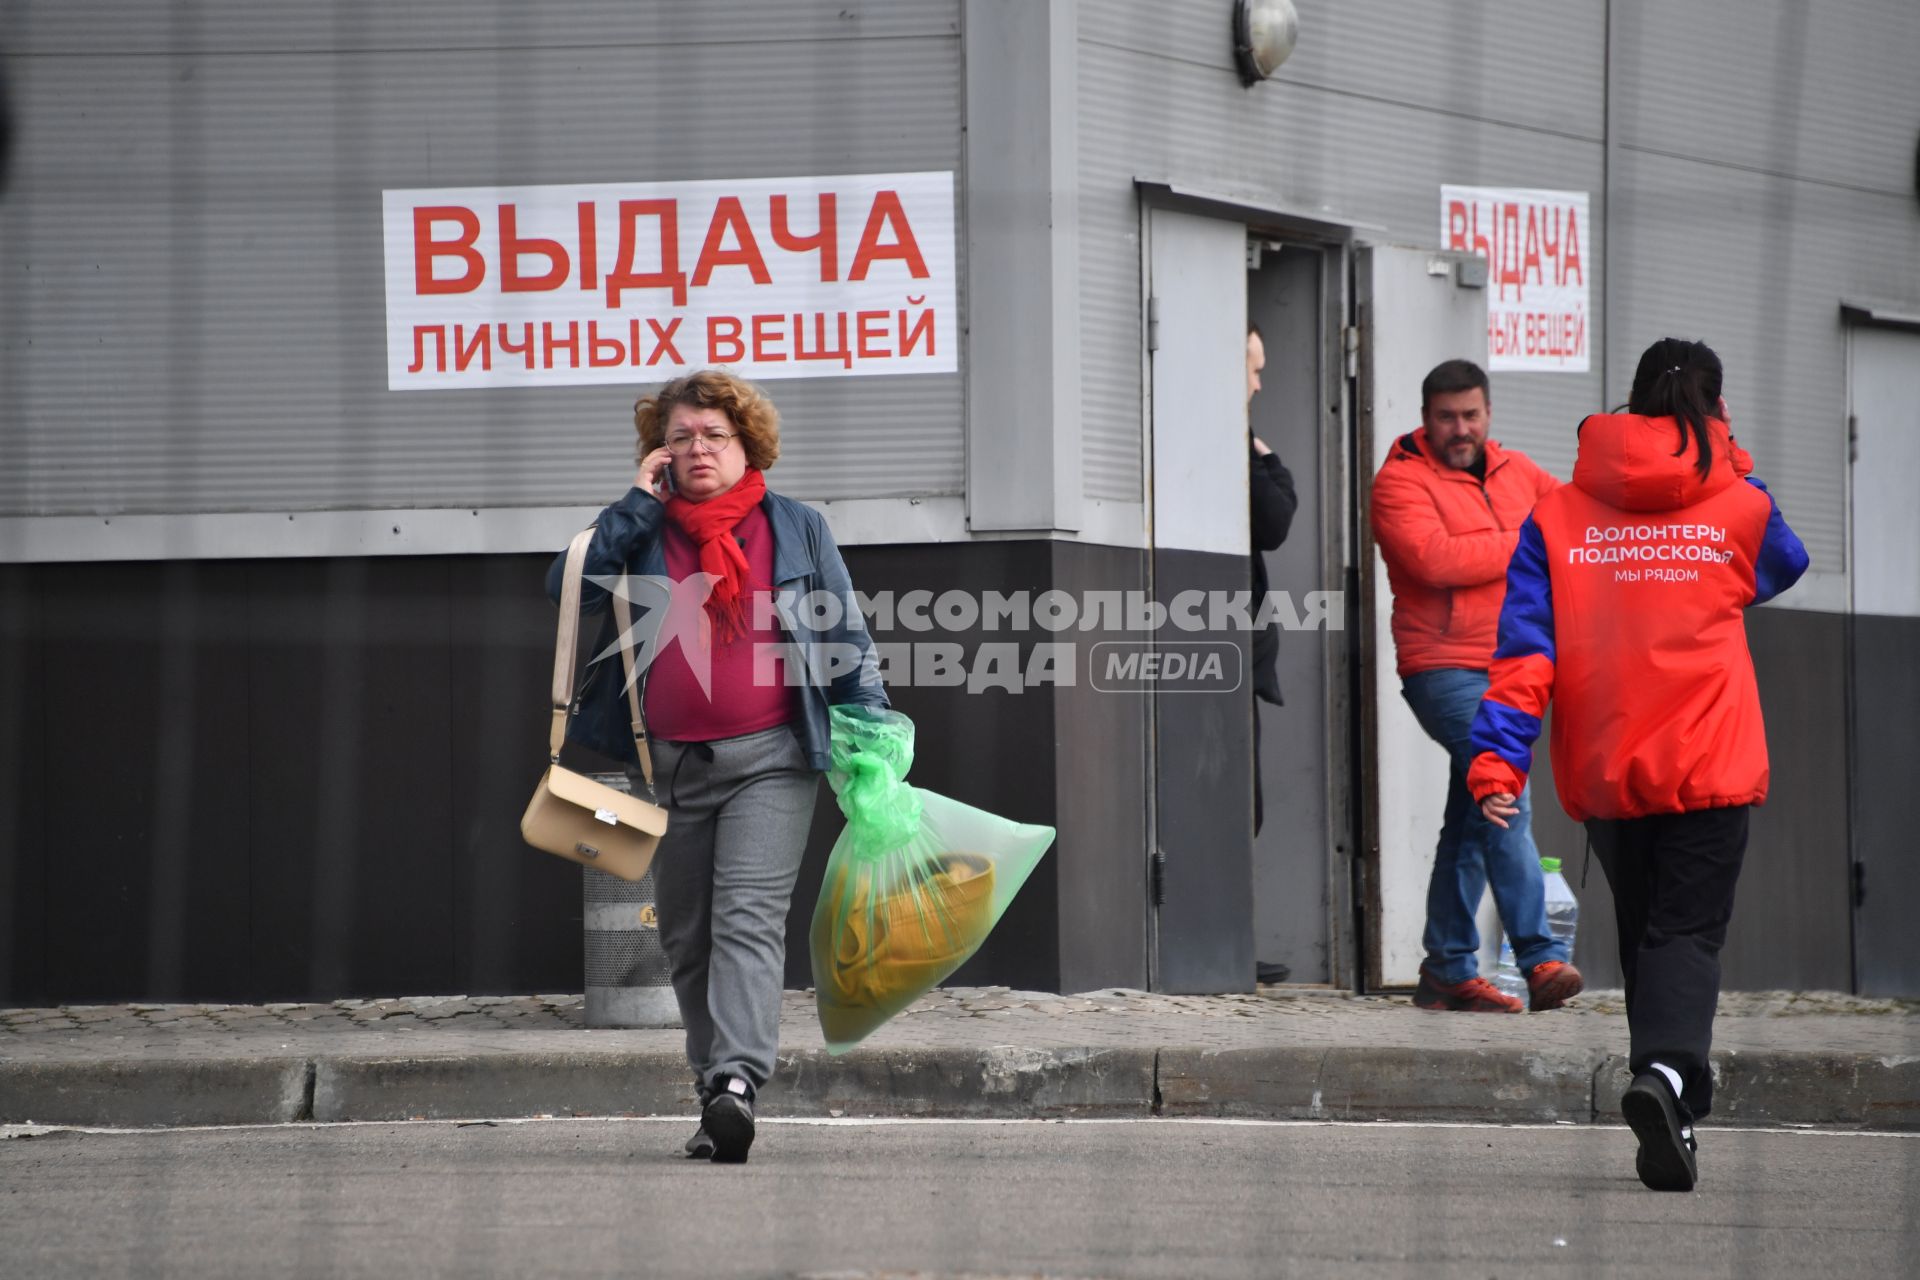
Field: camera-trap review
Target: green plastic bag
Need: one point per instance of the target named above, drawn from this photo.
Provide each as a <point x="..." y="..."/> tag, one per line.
<point x="913" y="885"/>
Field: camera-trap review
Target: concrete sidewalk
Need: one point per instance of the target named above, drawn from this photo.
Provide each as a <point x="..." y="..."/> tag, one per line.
<point x="1781" y="1058"/>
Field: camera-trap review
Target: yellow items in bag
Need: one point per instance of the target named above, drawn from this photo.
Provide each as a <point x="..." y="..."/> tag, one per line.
<point x="890" y="952"/>
<point x="914" y="884"/>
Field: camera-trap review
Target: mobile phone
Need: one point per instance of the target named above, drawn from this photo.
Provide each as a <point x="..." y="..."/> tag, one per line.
<point x="666" y="479"/>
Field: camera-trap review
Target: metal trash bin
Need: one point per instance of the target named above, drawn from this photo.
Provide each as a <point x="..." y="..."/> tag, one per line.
<point x="629" y="983"/>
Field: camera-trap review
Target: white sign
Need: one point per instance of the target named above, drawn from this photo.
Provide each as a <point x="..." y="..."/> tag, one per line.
<point x="641" y="282"/>
<point x="1537" y="245"/>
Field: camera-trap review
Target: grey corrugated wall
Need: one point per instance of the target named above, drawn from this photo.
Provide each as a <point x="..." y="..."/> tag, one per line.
<point x="191" y="290"/>
<point x="1379" y="106"/>
<point x="1764" y="169"/>
<point x="190" y="309"/>
<point x="1767" y="171"/>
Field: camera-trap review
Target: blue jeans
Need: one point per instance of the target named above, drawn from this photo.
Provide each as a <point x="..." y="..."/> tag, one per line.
<point x="1472" y="851"/>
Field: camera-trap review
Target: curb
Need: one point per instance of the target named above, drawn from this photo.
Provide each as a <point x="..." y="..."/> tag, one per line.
<point x="1491" y="1086"/>
<point x="1499" y="1086"/>
<point x="157" y="1093"/>
<point x="500" y="1085"/>
<point x="999" y="1082"/>
<point x="1828" y="1090"/>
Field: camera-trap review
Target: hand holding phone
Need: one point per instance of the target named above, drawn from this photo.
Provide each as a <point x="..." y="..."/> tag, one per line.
<point x="656" y="474"/>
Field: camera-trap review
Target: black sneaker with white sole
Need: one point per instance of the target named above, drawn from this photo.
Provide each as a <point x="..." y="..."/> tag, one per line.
<point x="728" y="1120"/>
<point x="700" y="1145"/>
<point x="1667" y="1159"/>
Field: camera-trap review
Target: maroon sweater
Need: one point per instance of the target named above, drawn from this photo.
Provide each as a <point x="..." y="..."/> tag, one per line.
<point x="676" y="708"/>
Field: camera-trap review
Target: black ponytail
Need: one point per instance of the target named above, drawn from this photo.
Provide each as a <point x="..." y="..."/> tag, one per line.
<point x="1680" y="380"/>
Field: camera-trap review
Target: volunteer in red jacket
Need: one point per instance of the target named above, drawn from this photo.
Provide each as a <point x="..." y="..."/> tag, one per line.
<point x="1446" y="512"/>
<point x="1625" y="606"/>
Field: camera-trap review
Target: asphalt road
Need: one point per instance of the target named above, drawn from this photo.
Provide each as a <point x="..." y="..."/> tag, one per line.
<point x="1119" y="1199"/>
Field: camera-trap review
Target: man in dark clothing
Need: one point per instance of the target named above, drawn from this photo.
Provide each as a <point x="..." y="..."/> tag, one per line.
<point x="1273" y="501"/>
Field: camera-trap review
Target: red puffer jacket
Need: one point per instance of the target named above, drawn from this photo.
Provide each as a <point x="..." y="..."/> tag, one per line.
<point x="1624" y="607"/>
<point x="1446" y="537"/>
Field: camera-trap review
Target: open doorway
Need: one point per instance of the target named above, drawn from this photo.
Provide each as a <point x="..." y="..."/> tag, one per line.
<point x="1301" y="868"/>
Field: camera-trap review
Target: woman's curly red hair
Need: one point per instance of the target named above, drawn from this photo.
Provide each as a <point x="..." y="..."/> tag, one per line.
<point x="746" y="406"/>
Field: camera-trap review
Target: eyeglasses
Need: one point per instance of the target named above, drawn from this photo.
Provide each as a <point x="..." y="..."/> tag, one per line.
<point x="710" y="442"/>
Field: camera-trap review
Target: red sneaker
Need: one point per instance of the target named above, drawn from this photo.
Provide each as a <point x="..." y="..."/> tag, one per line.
<point x="1475" y="995"/>
<point x="1551" y="984"/>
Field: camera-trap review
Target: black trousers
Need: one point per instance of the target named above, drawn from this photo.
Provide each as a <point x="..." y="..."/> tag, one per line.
<point x="1672" y="877"/>
<point x="1259" y="800"/>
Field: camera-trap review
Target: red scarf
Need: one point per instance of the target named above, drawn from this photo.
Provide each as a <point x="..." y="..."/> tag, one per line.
<point x="710" y="524"/>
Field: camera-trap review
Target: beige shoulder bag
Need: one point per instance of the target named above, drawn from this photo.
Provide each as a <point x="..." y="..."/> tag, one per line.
<point x="570" y="814"/>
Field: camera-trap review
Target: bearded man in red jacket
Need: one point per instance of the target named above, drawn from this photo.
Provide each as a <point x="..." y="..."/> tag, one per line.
<point x="1446" y="512"/>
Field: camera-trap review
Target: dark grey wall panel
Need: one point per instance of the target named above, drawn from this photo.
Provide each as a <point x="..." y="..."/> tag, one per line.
<point x="351" y="776"/>
<point x="192" y="312"/>
<point x="1100" y="759"/>
<point x="516" y="914"/>
<point x="1792" y="921"/>
<point x="988" y="748"/>
<point x="148" y="867"/>
<point x="1203" y="802"/>
<point x="304" y="779"/>
<point x="1791" y="927"/>
<point x="23" y="788"/>
<point x="1070" y="756"/>
<point x="1886" y="804"/>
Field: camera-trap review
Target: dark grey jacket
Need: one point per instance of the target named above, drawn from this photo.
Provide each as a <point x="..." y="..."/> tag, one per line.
<point x="805" y="560"/>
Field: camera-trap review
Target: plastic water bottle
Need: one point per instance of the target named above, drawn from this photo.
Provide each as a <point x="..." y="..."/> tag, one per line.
<point x="1563" y="918"/>
<point x="1563" y="909"/>
<point x="1507" y="978"/>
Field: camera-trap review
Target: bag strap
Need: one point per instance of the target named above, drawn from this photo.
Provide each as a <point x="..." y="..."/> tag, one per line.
<point x="567" y="641"/>
<point x="623" y="618"/>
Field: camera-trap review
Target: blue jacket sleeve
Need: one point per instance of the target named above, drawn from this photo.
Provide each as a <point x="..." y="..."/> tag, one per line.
<point x="861" y="684"/>
<point x="1522" y="673"/>
<point x="1782" y="557"/>
<point x="620" y="530"/>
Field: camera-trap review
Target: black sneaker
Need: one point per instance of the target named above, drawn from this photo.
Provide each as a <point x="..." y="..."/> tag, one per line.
<point x="700" y="1145"/>
<point x="728" y="1120"/>
<point x="1667" y="1158"/>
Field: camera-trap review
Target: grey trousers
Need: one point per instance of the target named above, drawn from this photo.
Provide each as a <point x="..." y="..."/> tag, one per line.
<point x="738" y="813"/>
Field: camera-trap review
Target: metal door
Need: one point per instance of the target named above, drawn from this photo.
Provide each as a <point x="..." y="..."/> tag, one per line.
<point x="1415" y="308"/>
<point x="1202" y="794"/>
<point x="1884" y="682"/>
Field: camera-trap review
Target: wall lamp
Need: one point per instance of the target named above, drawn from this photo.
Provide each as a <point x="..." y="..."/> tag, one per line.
<point x="1264" y="32"/>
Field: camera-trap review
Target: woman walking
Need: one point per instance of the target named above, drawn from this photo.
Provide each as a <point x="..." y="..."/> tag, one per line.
<point x="1625" y="608"/>
<point x="736" y="709"/>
